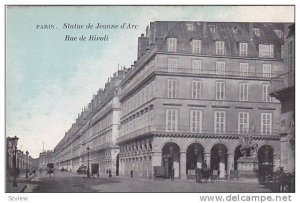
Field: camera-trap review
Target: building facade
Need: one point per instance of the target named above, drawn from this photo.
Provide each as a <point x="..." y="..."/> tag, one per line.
<point x="23" y="161"/>
<point x="45" y="157"/>
<point x="283" y="89"/>
<point x="92" y="138"/>
<point x="195" y="90"/>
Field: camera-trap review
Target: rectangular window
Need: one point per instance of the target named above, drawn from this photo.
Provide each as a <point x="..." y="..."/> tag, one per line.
<point x="220" y="67"/>
<point x="196" y="89"/>
<point x="266" y="50"/>
<point x="243" y="122"/>
<point x="243" y="49"/>
<point x="172" y="44"/>
<point x="266" y="123"/>
<point x="220" y="90"/>
<point x="213" y="29"/>
<point x="244" y="69"/>
<point x="196" y="121"/>
<point x="267" y="70"/>
<point x="243" y="92"/>
<point x="219" y="122"/>
<point x="220" y="47"/>
<point x="196" y="46"/>
<point x="196" y="66"/>
<point x="190" y="26"/>
<point x="171" y="120"/>
<point x="265" y="93"/>
<point x="172" y="64"/>
<point x="172" y="88"/>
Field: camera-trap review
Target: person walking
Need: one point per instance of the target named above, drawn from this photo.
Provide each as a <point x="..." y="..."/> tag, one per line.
<point x="131" y="174"/>
<point x="172" y="174"/>
<point x="109" y="173"/>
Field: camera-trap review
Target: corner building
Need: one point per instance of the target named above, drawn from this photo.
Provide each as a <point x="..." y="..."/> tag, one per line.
<point x="96" y="129"/>
<point x="194" y="91"/>
<point x="283" y="89"/>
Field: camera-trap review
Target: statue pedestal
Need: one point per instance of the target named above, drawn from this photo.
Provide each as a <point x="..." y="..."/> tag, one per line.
<point x="248" y="169"/>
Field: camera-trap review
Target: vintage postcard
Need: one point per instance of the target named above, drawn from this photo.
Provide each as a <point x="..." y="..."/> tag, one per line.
<point x="150" y="99"/>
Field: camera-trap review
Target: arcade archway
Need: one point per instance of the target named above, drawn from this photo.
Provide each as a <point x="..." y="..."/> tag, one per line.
<point x="218" y="160"/>
<point x="171" y="159"/>
<point x="194" y="156"/>
<point x="265" y="161"/>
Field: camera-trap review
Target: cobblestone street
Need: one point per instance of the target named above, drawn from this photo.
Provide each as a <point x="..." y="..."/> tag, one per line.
<point x="69" y="182"/>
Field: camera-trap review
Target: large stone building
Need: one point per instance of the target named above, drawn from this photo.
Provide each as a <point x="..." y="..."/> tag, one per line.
<point x="194" y="91"/>
<point x="283" y="89"/>
<point x="96" y="129"/>
<point x="23" y="160"/>
<point x="45" y="157"/>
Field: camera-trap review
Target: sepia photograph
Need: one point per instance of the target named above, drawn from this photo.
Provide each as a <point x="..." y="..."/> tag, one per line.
<point x="149" y="99"/>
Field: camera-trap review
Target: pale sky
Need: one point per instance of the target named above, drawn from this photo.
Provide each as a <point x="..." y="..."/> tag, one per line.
<point x="49" y="80"/>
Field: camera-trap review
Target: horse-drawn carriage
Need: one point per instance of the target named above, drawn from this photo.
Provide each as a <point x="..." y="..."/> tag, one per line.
<point x="204" y="174"/>
<point x="50" y="169"/>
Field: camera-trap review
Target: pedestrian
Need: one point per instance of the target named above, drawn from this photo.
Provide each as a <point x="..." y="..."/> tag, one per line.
<point x="131" y="174"/>
<point x="172" y="174"/>
<point x="109" y="173"/>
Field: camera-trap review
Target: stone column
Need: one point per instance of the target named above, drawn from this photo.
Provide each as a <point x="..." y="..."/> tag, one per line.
<point x="182" y="168"/>
<point x="156" y="161"/>
<point x="222" y="166"/>
<point x="276" y="162"/>
<point x="230" y="164"/>
<point x="207" y="158"/>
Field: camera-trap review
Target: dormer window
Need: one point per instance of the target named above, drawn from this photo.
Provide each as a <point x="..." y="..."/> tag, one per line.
<point x="190" y="26"/>
<point x="279" y="33"/>
<point x="172" y="44"/>
<point x="213" y="29"/>
<point x="256" y="31"/>
<point x="234" y="29"/>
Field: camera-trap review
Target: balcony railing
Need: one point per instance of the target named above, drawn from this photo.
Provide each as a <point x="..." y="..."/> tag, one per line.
<point x="201" y="72"/>
<point x="187" y="130"/>
<point x="282" y="81"/>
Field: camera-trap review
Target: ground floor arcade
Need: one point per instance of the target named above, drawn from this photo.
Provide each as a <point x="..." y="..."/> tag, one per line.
<point x="184" y="154"/>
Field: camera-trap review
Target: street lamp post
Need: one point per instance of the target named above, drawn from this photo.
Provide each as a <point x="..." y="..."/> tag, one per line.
<point x="88" y="159"/>
<point x="13" y="145"/>
<point x="27" y="162"/>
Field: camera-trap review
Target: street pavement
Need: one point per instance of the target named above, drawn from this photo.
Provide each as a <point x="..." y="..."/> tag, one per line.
<point x="70" y="182"/>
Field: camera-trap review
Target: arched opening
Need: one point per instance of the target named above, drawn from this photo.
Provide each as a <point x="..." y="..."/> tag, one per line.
<point x="171" y="159"/>
<point x="265" y="161"/>
<point x="194" y="157"/>
<point x="218" y="160"/>
<point x="117" y="165"/>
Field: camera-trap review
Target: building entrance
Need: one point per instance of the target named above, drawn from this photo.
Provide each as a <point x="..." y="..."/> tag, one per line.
<point x="171" y="159"/>
<point x="218" y="162"/>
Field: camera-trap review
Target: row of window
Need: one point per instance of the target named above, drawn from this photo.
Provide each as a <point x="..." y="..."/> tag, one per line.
<point x="138" y="99"/>
<point x="220" y="67"/>
<point x="196" y="122"/>
<point x="235" y="29"/>
<point x="220" y="90"/>
<point x="264" y="50"/>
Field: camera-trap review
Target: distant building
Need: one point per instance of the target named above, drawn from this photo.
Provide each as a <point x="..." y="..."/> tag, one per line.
<point x="195" y="90"/>
<point x="283" y="89"/>
<point x="45" y="158"/>
<point x="23" y="161"/>
<point x="96" y="128"/>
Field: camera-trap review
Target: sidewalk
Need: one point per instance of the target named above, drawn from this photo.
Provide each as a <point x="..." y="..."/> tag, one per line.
<point x="21" y="185"/>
